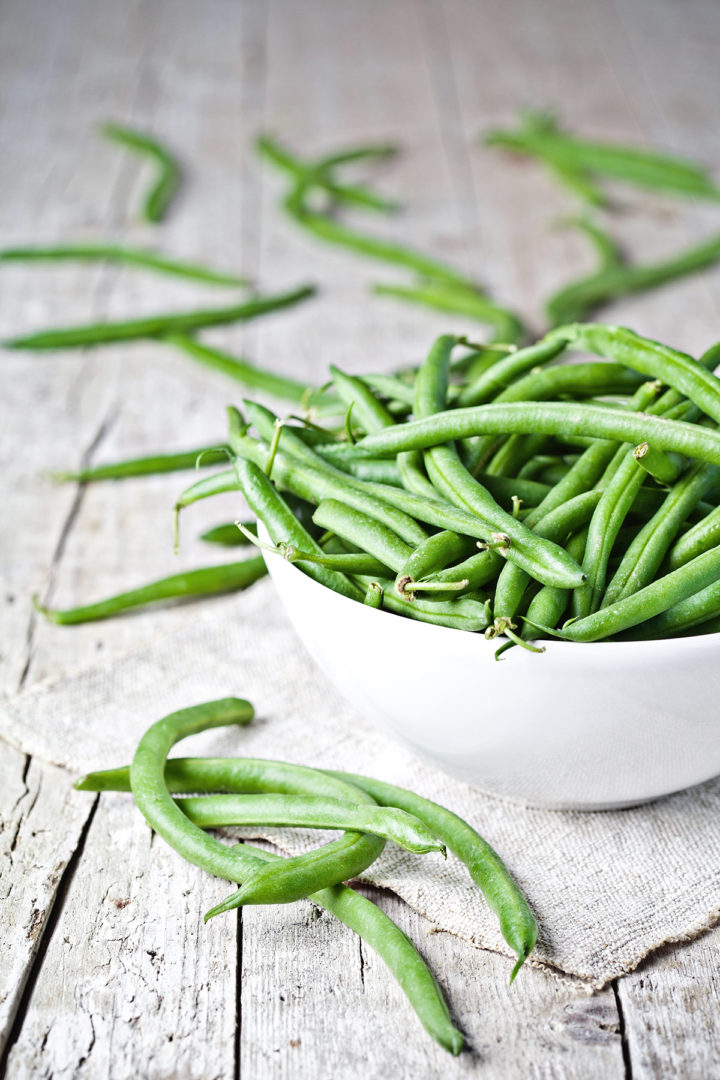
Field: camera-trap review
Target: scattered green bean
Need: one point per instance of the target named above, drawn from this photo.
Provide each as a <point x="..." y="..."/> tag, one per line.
<point x="168" y="179"/>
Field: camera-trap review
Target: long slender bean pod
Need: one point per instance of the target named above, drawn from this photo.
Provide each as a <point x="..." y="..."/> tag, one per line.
<point x="540" y="136"/>
<point x="575" y="301"/>
<point x="548" y="418"/>
<point x="206" y="581"/>
<point x="122" y="255"/>
<point x="705" y="534"/>
<point x="312" y="812"/>
<point x="151" y="465"/>
<point x="643" y="558"/>
<point x="366" y="532"/>
<point x="318" y="173"/>
<point x="646" y="603"/>
<point x="159" y="325"/>
<point x="282" y="525"/>
<point x="650" y="358"/>
<point x="485" y="866"/>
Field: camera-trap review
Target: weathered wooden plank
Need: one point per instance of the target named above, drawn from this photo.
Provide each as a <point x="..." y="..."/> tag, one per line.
<point x="133" y="984"/>
<point x="41" y="822"/>
<point x="124" y="400"/>
<point x="314" y="999"/>
<point x="670" y="1012"/>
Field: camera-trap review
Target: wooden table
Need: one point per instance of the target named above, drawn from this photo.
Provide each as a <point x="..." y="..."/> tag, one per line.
<point x="107" y="969"/>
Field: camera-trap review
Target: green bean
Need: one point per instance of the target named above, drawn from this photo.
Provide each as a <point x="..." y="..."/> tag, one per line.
<point x="467" y="301"/>
<point x="370" y="413"/>
<point x="696" y="611"/>
<point x="545" y="561"/>
<point x="228" y="534"/>
<point x="555" y="525"/>
<point x="486" y="868"/>
<point x="364" y="531"/>
<point x="374" y="595"/>
<point x="477" y="570"/>
<point x="674" y="368"/>
<point x="464" y="613"/>
<point x="206" y="581"/>
<point x="119" y="253"/>
<point x="391" y="386"/>
<point x="158" y="325"/>
<point x="358" y="913"/>
<point x="549" y="418"/>
<point x="539" y="135"/>
<point x="150" y="465"/>
<point x="168" y="177"/>
<point x="645" y="554"/>
<point x="575" y="301"/>
<point x="294" y="878"/>
<point x="282" y="525"/>
<point x="705" y="534"/>
<point x="548" y="605"/>
<point x="318" y="174"/>
<point x="269" y="382"/>
<point x="326" y="228"/>
<point x="575" y="379"/>
<point x="646" y="603"/>
<point x="613" y="507"/>
<point x="301" y="876"/>
<point x="505" y="371"/>
<point x="311" y="812"/>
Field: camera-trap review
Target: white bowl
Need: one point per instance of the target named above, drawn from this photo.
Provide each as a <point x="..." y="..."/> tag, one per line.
<point x="579" y="727"/>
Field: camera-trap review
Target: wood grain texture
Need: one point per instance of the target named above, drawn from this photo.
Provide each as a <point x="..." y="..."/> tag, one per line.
<point x="41" y="824"/>
<point x="110" y="972"/>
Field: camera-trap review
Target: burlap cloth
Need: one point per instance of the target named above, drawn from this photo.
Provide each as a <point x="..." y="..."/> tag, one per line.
<point x="607" y="888"/>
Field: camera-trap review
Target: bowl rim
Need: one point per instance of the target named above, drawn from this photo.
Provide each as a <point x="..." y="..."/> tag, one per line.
<point x="556" y="645"/>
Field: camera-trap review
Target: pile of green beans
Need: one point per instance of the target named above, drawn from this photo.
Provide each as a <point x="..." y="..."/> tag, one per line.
<point x="626" y="533"/>
<point x="220" y="792"/>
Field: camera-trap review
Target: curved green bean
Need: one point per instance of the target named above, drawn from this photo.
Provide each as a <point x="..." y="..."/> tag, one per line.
<point x="169" y="175"/>
<point x="486" y="868"/>
<point x="282" y="525"/>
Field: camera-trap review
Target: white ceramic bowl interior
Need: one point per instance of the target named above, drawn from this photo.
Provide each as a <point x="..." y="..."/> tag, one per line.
<point x="588" y="726"/>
